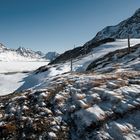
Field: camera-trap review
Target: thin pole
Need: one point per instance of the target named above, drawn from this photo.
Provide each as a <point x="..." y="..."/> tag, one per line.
<point x="85" y="50"/>
<point x="129" y="49"/>
<point x="71" y="62"/>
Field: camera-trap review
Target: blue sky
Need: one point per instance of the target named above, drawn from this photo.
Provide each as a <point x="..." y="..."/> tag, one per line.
<point x="56" y="25"/>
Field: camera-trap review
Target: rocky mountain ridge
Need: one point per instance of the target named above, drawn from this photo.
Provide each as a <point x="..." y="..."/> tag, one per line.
<point x="29" y="53"/>
<point x="130" y="26"/>
<point x="80" y="51"/>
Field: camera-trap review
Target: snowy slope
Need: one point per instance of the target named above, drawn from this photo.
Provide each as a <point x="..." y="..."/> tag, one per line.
<point x="79" y="65"/>
<point x="94" y="52"/>
<point x="46" y="73"/>
<point x="121" y="59"/>
<point x="93" y="105"/>
<point x="79" y="51"/>
<point x="102" y="50"/>
<point x="39" y="80"/>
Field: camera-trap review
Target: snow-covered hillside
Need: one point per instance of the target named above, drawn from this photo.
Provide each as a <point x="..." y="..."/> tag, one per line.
<point x="91" y="105"/>
<point x="130" y="26"/>
<point x="45" y="73"/>
<point x="80" y="64"/>
<point x="79" y="51"/>
<point x="2" y="47"/>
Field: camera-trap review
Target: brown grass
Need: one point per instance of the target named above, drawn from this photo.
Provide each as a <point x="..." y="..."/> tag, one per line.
<point x="10" y="128"/>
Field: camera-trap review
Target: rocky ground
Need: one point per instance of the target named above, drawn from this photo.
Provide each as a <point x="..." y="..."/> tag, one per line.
<point x="92" y="105"/>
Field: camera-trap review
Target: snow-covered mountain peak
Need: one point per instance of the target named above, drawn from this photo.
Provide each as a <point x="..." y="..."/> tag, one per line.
<point x="2" y="46"/>
<point x="20" y="54"/>
<point x="130" y="26"/>
<point x="24" y="54"/>
<point x="28" y="53"/>
<point x="24" y="50"/>
<point x="137" y="13"/>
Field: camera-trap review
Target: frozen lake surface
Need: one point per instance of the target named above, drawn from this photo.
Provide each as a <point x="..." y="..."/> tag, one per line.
<point x="12" y="74"/>
<point x="7" y="67"/>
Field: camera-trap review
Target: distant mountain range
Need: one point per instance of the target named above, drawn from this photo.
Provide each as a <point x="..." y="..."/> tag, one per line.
<point x="29" y="53"/>
<point x="24" y="54"/>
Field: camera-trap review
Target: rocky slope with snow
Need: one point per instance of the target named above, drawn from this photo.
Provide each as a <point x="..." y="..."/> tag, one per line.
<point x="2" y="47"/>
<point x="120" y="58"/>
<point x="79" y="51"/>
<point x="130" y="26"/>
<point x="102" y="103"/>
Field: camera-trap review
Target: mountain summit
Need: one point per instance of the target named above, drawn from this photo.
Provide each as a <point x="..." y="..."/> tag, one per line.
<point x="28" y="53"/>
<point x="2" y="47"/>
<point x="130" y="26"/>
